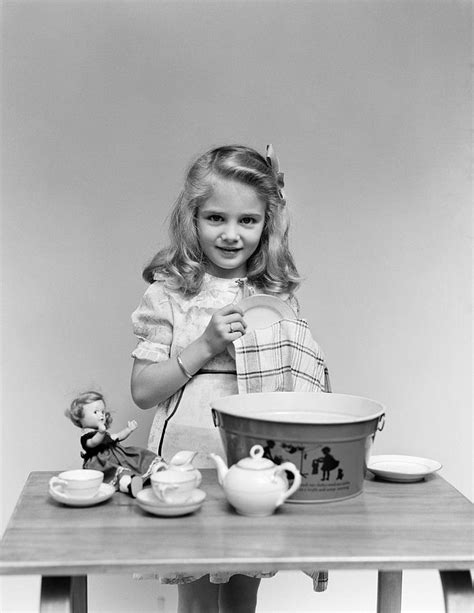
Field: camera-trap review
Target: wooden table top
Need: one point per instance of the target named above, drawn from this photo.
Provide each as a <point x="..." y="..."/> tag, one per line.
<point x="390" y="526"/>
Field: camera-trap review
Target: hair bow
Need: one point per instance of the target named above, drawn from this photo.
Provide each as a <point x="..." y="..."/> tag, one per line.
<point x="274" y="164"/>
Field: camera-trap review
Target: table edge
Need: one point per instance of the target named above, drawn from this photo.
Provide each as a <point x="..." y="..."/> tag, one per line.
<point x="170" y="565"/>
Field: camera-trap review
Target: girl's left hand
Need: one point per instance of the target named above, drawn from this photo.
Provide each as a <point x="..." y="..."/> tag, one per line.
<point x="132" y="425"/>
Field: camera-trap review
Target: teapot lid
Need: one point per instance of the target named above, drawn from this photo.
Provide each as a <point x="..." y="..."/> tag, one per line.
<point x="256" y="461"/>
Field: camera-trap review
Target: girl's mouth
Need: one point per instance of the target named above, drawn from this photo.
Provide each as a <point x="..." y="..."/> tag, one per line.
<point x="229" y="250"/>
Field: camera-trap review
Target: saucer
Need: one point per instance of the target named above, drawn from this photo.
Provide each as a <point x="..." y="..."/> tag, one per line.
<point x="147" y="501"/>
<point x="105" y="492"/>
<point x="402" y="468"/>
<point x="261" y="311"/>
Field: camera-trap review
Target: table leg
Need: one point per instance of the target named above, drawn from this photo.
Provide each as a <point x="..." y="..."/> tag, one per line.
<point x="389" y="592"/>
<point x="63" y="595"/>
<point x="457" y="590"/>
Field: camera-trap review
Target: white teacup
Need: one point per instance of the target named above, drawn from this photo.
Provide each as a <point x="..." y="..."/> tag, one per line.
<point x="80" y="483"/>
<point x="173" y="487"/>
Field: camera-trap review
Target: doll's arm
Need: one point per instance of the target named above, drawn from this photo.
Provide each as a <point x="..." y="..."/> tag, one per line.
<point x="94" y="441"/>
<point x="125" y="433"/>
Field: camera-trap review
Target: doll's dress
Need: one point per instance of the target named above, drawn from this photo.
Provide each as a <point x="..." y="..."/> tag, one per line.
<point x="165" y="323"/>
<point x="110" y="454"/>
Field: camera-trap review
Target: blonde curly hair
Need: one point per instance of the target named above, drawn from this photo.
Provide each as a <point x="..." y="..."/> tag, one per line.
<point x="182" y="264"/>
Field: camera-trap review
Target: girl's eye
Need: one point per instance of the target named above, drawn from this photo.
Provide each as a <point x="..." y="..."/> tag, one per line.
<point x="247" y="221"/>
<point x="214" y="218"/>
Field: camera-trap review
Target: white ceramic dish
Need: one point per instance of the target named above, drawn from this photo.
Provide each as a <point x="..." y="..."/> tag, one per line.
<point x="402" y="468"/>
<point x="105" y="492"/>
<point x="261" y="311"/>
<point x="147" y="501"/>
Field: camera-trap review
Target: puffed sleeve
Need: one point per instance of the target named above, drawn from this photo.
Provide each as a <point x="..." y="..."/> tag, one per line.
<point x="153" y="325"/>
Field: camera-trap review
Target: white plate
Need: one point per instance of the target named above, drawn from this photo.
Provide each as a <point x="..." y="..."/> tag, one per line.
<point x="105" y="492"/>
<point x="402" y="468"/>
<point x="147" y="501"/>
<point x="261" y="311"/>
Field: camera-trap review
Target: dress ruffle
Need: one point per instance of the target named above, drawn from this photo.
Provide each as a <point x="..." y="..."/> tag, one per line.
<point x="153" y="352"/>
<point x="320" y="578"/>
<point x="219" y="577"/>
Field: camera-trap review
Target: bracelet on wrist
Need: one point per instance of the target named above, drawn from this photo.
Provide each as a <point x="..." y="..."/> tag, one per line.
<point x="184" y="370"/>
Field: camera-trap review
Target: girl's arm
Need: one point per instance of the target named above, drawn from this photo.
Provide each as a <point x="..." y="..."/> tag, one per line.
<point x="125" y="433"/>
<point x="154" y="382"/>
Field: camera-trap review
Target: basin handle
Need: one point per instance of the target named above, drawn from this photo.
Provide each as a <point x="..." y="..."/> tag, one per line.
<point x="215" y="418"/>
<point x="381" y="423"/>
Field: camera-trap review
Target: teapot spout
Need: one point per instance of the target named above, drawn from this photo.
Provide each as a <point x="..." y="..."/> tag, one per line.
<point x="220" y="465"/>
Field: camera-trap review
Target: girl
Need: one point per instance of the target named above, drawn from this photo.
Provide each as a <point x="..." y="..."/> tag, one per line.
<point x="125" y="467"/>
<point x="229" y="239"/>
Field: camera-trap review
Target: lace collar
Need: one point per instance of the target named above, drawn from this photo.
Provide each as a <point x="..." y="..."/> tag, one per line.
<point x="223" y="282"/>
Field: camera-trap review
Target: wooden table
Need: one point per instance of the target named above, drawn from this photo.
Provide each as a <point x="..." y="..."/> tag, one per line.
<point x="390" y="527"/>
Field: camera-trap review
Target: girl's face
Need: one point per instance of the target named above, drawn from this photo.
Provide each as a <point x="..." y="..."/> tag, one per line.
<point x="93" y="414"/>
<point x="229" y="225"/>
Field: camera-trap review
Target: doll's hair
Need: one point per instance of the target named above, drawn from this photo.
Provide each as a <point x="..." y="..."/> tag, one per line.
<point x="76" y="411"/>
<point x="182" y="264"/>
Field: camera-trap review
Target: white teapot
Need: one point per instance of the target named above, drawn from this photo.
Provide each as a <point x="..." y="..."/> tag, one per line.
<point x="256" y="486"/>
<point x="181" y="462"/>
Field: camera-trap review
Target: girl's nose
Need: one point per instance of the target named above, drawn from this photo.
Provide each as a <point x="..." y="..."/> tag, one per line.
<point x="230" y="234"/>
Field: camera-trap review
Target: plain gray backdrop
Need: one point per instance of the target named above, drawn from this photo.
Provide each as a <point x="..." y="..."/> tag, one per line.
<point x="105" y="103"/>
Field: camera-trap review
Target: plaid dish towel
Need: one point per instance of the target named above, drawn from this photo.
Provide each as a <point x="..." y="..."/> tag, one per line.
<point x="281" y="358"/>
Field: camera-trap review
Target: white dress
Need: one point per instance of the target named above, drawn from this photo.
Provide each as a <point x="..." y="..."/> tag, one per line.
<point x="165" y="323"/>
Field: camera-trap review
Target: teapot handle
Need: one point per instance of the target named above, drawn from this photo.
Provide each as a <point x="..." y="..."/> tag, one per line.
<point x="290" y="467"/>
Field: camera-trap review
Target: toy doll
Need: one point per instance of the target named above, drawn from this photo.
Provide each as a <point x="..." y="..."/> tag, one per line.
<point x="127" y="468"/>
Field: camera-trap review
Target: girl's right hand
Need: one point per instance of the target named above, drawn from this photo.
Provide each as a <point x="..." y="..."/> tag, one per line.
<point x="226" y="325"/>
